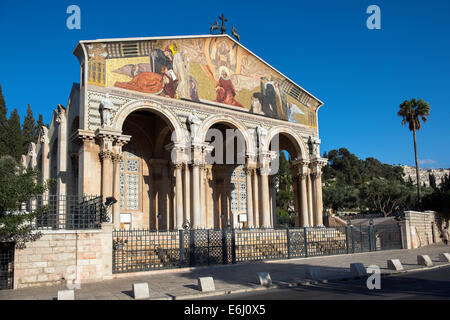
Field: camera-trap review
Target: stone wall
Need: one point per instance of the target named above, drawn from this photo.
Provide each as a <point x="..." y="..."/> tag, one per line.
<point x="65" y="255"/>
<point x="420" y="229"/>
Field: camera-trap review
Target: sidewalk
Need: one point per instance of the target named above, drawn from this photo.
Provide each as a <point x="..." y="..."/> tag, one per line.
<point x="182" y="283"/>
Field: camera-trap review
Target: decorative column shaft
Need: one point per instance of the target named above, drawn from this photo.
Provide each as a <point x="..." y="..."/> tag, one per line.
<point x="202" y="197"/>
<point x="310" y="201"/>
<point x="187" y="192"/>
<point x="196" y="195"/>
<point x="116" y="190"/>
<point x="304" y="201"/>
<point x="265" y="197"/>
<point x="256" y="198"/>
<point x="319" y="204"/>
<point x="250" y="223"/>
<point x="106" y="158"/>
<point x="179" y="196"/>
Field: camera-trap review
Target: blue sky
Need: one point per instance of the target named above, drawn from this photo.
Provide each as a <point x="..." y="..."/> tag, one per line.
<point x="361" y="75"/>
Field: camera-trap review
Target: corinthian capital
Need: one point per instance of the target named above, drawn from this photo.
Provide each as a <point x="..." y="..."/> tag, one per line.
<point x="105" y="154"/>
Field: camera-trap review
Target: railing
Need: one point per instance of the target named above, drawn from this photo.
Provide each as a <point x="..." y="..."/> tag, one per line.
<point x="68" y="212"/>
<point x="6" y="266"/>
<point x="140" y="250"/>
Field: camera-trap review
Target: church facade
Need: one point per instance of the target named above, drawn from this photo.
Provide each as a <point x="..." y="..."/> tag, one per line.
<point x="183" y="131"/>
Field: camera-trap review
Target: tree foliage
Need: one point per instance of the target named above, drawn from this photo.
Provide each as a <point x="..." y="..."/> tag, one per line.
<point x="439" y="199"/>
<point x="17" y="186"/>
<point x="284" y="195"/>
<point x="386" y="196"/>
<point x="14" y="136"/>
<point x="353" y="183"/>
<point x="412" y="112"/>
<point x="29" y="130"/>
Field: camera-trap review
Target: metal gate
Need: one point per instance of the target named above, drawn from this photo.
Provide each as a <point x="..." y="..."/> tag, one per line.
<point x="6" y="266"/>
<point x="141" y="250"/>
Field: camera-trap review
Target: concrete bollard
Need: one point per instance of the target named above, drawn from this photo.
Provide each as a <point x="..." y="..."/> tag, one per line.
<point x="357" y="269"/>
<point x="140" y="290"/>
<point x="313" y="273"/>
<point x="395" y="264"/>
<point x="264" y="279"/>
<point x="206" y="284"/>
<point x="424" y="260"/>
<point x="444" y="257"/>
<point x="66" y="295"/>
<point x="73" y="284"/>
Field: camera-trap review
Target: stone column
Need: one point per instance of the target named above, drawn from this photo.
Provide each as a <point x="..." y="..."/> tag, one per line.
<point x="106" y="158"/>
<point x="196" y="195"/>
<point x="304" y="201"/>
<point x="179" y="195"/>
<point x="45" y="165"/>
<point x="116" y="190"/>
<point x="187" y="192"/>
<point x="202" y="197"/>
<point x="265" y="197"/>
<point x="310" y="200"/>
<point x="250" y="222"/>
<point x="318" y="163"/>
<point x="61" y="166"/>
<point x="319" y="204"/>
<point x="255" y="198"/>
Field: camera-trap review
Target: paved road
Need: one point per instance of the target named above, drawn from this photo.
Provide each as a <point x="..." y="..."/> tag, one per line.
<point x="181" y="283"/>
<point x="430" y="284"/>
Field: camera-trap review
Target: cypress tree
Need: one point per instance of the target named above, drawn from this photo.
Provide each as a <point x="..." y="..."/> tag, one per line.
<point x="14" y="138"/>
<point x="29" y="132"/>
<point x="39" y="124"/>
<point x="3" y="125"/>
<point x="432" y="181"/>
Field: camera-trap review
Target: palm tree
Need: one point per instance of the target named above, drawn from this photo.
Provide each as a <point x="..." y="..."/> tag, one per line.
<point x="411" y="112"/>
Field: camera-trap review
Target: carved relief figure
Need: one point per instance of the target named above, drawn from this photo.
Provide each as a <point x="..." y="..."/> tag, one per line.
<point x="194" y="125"/>
<point x="106" y="107"/>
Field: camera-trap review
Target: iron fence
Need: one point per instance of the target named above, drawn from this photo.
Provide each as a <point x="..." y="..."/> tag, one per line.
<point x="326" y="241"/>
<point x="68" y="212"/>
<point x="141" y="250"/>
<point x="6" y="266"/>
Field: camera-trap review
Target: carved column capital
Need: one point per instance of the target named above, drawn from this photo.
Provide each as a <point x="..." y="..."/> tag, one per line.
<point x="116" y="157"/>
<point x="105" y="155"/>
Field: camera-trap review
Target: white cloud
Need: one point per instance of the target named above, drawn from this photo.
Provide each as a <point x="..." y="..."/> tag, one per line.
<point x="427" y="161"/>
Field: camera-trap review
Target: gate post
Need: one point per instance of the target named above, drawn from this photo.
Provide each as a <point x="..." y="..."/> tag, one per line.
<point x="374" y="238"/>
<point x="353" y="238"/>
<point x="306" y="242"/>
<point x="370" y="237"/>
<point x="224" y="247"/>
<point x="288" y="237"/>
<point x="346" y="239"/>
<point x="191" y="248"/>
<point x="181" y="243"/>
<point x="233" y="246"/>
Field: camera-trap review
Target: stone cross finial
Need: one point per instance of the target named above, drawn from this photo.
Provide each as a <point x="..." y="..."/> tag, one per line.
<point x="222" y="29"/>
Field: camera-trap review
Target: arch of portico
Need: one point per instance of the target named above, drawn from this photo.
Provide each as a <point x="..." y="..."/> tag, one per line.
<point x="180" y="184"/>
<point x="306" y="174"/>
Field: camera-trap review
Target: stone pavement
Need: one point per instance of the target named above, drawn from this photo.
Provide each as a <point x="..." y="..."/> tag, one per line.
<point x="182" y="283"/>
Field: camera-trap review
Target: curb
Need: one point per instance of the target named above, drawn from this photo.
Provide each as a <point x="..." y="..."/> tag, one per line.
<point x="303" y="282"/>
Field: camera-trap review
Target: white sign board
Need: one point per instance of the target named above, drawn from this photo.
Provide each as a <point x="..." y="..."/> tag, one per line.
<point x="243" y="217"/>
<point x="125" y="217"/>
